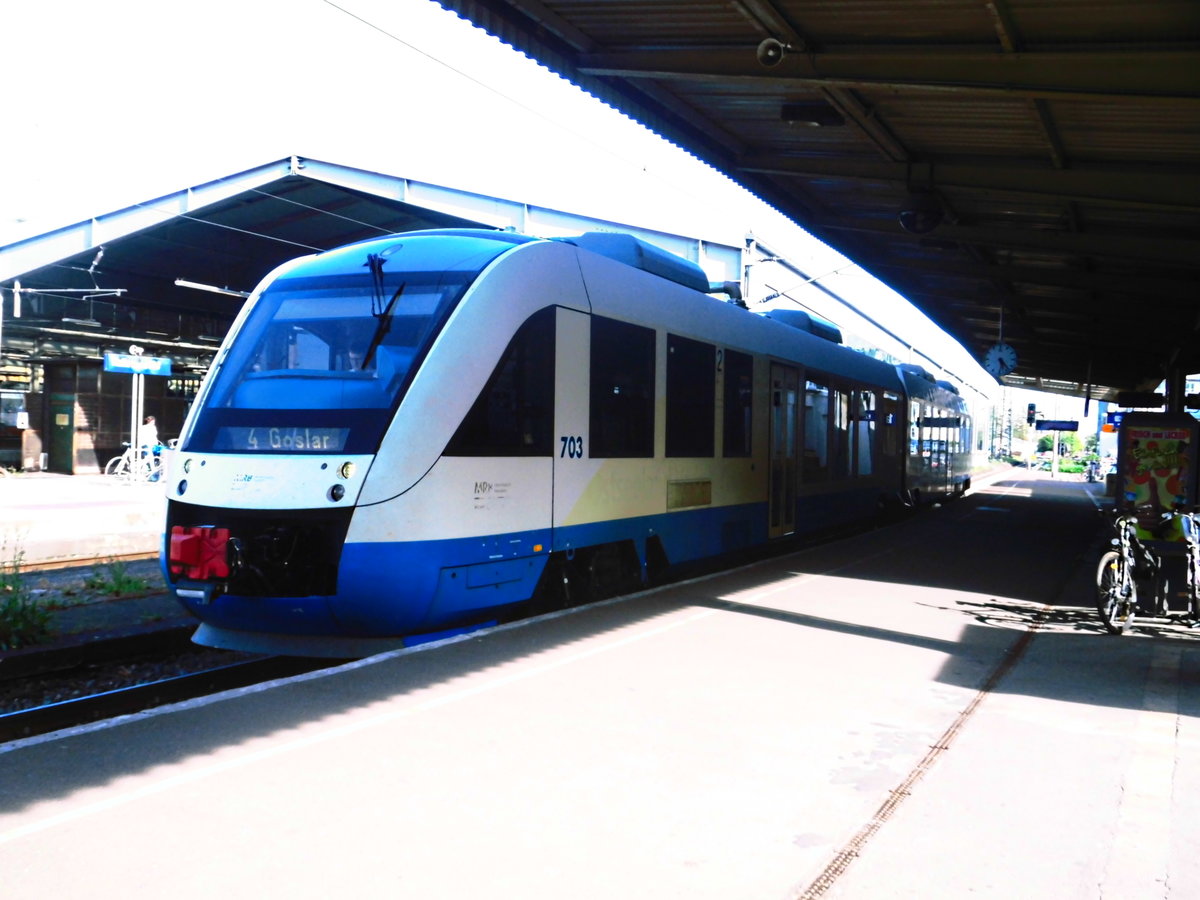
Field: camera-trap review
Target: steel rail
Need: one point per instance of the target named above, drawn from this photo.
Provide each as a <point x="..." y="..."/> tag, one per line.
<point x="136" y="698"/>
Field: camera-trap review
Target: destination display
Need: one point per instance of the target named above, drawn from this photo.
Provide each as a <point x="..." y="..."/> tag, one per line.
<point x="281" y="439"/>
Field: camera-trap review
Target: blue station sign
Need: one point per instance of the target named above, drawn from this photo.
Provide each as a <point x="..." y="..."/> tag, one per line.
<point x="1057" y="425"/>
<point x="137" y="365"/>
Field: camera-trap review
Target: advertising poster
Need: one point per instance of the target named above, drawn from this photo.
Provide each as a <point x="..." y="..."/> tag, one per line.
<point x="1156" y="459"/>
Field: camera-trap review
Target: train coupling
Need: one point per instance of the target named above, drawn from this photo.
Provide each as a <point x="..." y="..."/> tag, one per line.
<point x="199" y="553"/>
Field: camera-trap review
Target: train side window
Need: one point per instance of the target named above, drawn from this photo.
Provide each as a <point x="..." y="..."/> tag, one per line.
<point x="514" y="413"/>
<point x="816" y="432"/>
<point x="739" y="394"/>
<point x="621" y="417"/>
<point x="691" y="394"/>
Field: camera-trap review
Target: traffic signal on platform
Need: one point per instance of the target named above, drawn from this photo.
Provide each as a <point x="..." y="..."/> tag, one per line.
<point x="1031" y="413"/>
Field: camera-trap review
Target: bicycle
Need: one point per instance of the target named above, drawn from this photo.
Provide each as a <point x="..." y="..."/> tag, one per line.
<point x="136" y="464"/>
<point x="1116" y="588"/>
<point x="1134" y="578"/>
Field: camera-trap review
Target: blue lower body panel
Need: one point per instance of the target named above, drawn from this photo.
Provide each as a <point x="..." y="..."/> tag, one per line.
<point x="402" y="589"/>
<point x="394" y="589"/>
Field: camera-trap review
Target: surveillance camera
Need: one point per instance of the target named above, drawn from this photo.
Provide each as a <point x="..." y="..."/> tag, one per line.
<point x="921" y="213"/>
<point x="771" y="52"/>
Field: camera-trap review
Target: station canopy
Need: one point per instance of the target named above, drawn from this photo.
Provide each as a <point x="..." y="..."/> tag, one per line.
<point x="169" y="274"/>
<point x="1045" y="153"/>
<point x="180" y="265"/>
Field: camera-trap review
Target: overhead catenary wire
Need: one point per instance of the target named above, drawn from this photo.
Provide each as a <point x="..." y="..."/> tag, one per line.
<point x="325" y="212"/>
<point x="579" y="134"/>
<point x="269" y="237"/>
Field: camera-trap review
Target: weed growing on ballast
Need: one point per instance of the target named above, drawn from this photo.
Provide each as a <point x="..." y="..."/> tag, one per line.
<point x="116" y="580"/>
<point x="23" y="621"/>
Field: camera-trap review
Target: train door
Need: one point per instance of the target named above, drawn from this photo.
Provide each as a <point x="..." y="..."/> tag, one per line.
<point x="891" y="430"/>
<point x="784" y="446"/>
<point x="572" y="466"/>
<point x="940" y="435"/>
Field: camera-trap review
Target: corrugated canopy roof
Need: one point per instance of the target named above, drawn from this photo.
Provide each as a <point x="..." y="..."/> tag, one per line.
<point x="227" y="233"/>
<point x="1049" y="149"/>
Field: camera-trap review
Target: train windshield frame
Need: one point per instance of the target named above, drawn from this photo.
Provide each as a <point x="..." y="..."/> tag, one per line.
<point x="328" y="350"/>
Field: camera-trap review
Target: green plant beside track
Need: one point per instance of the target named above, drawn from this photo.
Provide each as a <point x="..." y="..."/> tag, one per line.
<point x="115" y="580"/>
<point x="23" y="621"/>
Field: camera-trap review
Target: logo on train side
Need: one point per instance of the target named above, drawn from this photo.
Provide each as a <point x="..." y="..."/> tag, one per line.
<point x="483" y="487"/>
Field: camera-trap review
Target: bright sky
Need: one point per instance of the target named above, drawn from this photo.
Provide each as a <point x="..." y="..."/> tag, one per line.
<point x="110" y="102"/>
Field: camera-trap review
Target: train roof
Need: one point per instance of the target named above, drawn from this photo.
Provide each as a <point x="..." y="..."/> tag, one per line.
<point x="781" y="332"/>
<point x="625" y="248"/>
<point x="806" y="321"/>
<point x="919" y="383"/>
<point x="690" y="311"/>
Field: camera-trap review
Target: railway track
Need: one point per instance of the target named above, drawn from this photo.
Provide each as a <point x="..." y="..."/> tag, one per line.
<point x="136" y="698"/>
<point x="46" y="565"/>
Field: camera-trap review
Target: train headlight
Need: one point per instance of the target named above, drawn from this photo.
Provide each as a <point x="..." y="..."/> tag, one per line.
<point x="346" y="470"/>
<point x="182" y="488"/>
<point x="337" y="492"/>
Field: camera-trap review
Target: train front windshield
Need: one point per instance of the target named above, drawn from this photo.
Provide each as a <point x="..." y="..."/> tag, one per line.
<point x="326" y="352"/>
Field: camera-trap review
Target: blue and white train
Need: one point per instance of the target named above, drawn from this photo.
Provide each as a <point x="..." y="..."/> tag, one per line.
<point x="437" y="429"/>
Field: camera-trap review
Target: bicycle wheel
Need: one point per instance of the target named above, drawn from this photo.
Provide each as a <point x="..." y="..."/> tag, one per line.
<point x="1193" y="582"/>
<point x="118" y="465"/>
<point x="1116" y="594"/>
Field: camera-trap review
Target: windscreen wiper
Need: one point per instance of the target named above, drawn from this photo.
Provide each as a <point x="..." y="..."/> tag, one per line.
<point x="385" y="323"/>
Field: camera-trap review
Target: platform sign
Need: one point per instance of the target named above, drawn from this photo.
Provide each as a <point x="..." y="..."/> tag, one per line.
<point x="1057" y="425"/>
<point x="137" y="365"/>
<point x="1156" y="461"/>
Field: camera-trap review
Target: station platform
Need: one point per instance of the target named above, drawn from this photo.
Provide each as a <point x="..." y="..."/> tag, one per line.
<point x="926" y="710"/>
<point x="51" y="519"/>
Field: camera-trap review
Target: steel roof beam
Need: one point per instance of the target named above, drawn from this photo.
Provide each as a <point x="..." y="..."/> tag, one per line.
<point x="1139" y="247"/>
<point x="1166" y="288"/>
<point x="767" y="16"/>
<point x="1165" y="187"/>
<point x="1084" y="74"/>
<point x="864" y="118"/>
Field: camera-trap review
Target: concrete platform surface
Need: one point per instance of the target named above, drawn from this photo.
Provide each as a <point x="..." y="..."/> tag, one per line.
<point x="60" y="519"/>
<point x="928" y="710"/>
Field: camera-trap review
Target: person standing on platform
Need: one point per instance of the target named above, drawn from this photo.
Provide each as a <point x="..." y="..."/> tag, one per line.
<point x="149" y="433"/>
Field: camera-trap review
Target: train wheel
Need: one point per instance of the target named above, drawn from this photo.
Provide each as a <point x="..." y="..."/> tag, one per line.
<point x="591" y="574"/>
<point x="612" y="569"/>
<point x="553" y="591"/>
<point x="656" y="561"/>
<point x="893" y="507"/>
